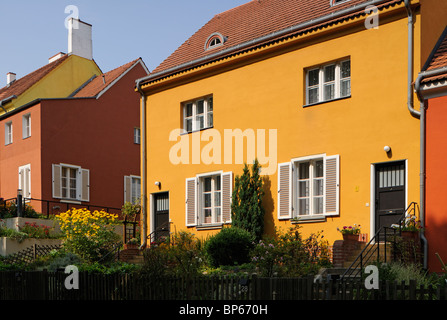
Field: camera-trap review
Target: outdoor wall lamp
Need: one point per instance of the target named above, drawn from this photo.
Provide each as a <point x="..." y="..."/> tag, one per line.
<point x="387" y="149"/>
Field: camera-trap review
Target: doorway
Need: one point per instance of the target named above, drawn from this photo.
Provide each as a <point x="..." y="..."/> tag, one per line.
<point x="161" y="228"/>
<point x="390" y="193"/>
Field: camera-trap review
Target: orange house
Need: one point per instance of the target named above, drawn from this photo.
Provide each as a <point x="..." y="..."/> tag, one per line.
<point x="431" y="86"/>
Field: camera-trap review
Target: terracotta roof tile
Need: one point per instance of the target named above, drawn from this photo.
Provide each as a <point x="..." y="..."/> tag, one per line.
<point x="95" y="86"/>
<point x="20" y="85"/>
<point x="252" y="20"/>
<point x="438" y="59"/>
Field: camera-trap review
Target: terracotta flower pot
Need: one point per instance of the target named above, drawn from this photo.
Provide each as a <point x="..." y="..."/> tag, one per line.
<point x="351" y="237"/>
<point x="410" y="235"/>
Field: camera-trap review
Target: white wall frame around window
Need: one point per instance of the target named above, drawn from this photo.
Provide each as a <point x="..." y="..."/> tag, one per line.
<point x="198" y="114"/>
<point x="26" y="126"/>
<point x="328" y="82"/>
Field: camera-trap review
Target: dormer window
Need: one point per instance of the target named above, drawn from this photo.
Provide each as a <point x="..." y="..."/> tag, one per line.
<point x="214" y="40"/>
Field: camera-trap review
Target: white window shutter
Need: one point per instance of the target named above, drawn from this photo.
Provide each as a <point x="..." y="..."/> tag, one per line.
<point x="84" y="192"/>
<point x="57" y="185"/>
<point x="332" y="185"/>
<point x="22" y="179"/>
<point x="127" y="189"/>
<point x="227" y="193"/>
<point x="285" y="190"/>
<point x="191" y="202"/>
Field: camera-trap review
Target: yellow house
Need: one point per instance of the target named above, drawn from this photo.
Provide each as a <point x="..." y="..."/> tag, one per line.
<point x="61" y="77"/>
<point x="319" y="91"/>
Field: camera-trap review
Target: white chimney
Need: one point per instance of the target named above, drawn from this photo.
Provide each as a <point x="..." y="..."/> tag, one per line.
<point x="10" y="77"/>
<point x="80" y="38"/>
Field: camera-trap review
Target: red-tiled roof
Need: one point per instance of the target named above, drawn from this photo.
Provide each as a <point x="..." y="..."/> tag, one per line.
<point x="20" y="85"/>
<point x="254" y="20"/>
<point x="438" y="59"/>
<point x="94" y="87"/>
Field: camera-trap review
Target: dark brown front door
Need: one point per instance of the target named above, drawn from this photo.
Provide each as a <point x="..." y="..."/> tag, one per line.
<point x="390" y="193"/>
<point x="161" y="215"/>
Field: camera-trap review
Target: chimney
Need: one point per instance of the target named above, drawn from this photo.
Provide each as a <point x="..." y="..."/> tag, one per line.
<point x="80" y="38"/>
<point x="10" y="78"/>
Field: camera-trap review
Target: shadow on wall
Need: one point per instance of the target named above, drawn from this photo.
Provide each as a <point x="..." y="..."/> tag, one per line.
<point x="269" y="206"/>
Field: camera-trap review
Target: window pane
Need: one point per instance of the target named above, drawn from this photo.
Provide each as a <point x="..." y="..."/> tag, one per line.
<point x="217" y="199"/>
<point x="217" y="213"/>
<point x="318" y="187"/>
<point x="313" y="95"/>
<point x="303" y="206"/>
<point x="210" y="104"/>
<point x="200" y="122"/>
<point x="303" y="189"/>
<point x="318" y="168"/>
<point x="329" y="91"/>
<point x="217" y="183"/>
<point x="313" y="77"/>
<point x="210" y="119"/>
<point x="346" y="69"/>
<point x="207" y="184"/>
<point x="304" y="170"/>
<point x="329" y="73"/>
<point x="200" y="106"/>
<point x="345" y="88"/>
<point x="318" y="205"/>
<point x="189" y="110"/>
<point x="188" y="125"/>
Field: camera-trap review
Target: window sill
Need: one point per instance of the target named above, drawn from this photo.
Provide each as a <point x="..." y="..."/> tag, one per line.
<point x="326" y="101"/>
<point x="194" y="131"/>
<point x="210" y="226"/>
<point x="310" y="218"/>
<point x="71" y="201"/>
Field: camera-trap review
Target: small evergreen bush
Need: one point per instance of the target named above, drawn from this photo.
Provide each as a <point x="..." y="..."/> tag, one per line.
<point x="230" y="246"/>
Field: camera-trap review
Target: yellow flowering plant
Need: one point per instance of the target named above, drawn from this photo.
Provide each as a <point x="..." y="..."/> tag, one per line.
<point x="88" y="234"/>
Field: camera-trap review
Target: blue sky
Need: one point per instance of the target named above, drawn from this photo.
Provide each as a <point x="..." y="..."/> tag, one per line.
<point x="33" y="31"/>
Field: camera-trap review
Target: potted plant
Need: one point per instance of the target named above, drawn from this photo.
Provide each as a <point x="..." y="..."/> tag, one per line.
<point x="410" y="228"/>
<point x="350" y="233"/>
<point x="132" y="244"/>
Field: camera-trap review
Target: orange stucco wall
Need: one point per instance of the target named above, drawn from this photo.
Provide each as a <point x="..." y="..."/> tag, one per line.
<point x="436" y="156"/>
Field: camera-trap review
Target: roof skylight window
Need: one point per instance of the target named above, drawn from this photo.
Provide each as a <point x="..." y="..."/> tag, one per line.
<point x="335" y="2"/>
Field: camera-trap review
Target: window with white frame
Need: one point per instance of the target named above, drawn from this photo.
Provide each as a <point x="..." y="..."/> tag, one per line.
<point x="132" y="189"/>
<point x="308" y="187"/>
<point x="198" y="114"/>
<point x="71" y="182"/>
<point x="8" y="133"/>
<point x="26" y="126"/>
<point x="328" y="82"/>
<point x="208" y="199"/>
<point x="25" y="180"/>
<point x="136" y="135"/>
<point x="211" y="199"/>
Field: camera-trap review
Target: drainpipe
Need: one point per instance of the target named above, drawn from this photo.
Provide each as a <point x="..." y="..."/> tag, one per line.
<point x="417" y="88"/>
<point x="410" y="102"/>
<point x="143" y="163"/>
<point x="4" y="101"/>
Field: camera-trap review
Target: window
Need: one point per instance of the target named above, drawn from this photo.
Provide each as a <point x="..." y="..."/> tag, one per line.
<point x="308" y="187"/>
<point x="328" y="82"/>
<point x="71" y="182"/>
<point x="132" y="189"/>
<point x="211" y="199"/>
<point x="26" y="126"/>
<point x="25" y="180"/>
<point x="136" y="135"/>
<point x="198" y="114"/>
<point x="334" y="2"/>
<point x="8" y="133"/>
<point x="214" y="40"/>
<point x="208" y="199"/>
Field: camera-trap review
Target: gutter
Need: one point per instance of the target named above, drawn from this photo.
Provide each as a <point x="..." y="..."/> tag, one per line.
<point x="262" y="39"/>
<point x="4" y="101"/>
<point x="143" y="163"/>
<point x="417" y="88"/>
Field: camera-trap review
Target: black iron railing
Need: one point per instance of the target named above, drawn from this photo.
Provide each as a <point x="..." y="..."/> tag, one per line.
<point x="378" y="248"/>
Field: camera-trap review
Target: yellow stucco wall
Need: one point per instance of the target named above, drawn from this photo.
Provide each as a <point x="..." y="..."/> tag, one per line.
<point x="60" y="82"/>
<point x="269" y="94"/>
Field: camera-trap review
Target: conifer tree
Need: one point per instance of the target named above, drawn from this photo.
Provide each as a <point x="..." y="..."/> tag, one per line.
<point x="246" y="207"/>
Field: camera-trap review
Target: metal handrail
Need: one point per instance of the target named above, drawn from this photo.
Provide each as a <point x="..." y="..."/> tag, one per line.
<point x="368" y="251"/>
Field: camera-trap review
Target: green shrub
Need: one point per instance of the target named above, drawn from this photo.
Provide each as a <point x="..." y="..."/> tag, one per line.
<point x="229" y="247"/>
